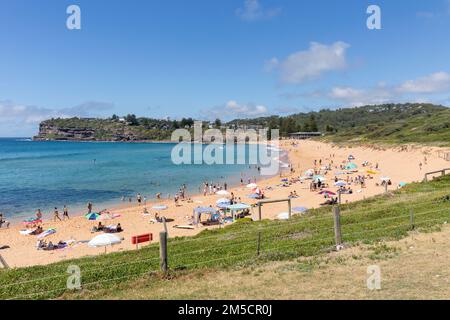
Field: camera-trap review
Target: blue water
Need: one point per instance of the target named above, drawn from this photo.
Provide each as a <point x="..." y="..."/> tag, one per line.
<point x="51" y="174"/>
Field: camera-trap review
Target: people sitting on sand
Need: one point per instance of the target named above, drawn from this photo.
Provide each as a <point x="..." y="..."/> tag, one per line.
<point x="98" y="228"/>
<point x="113" y="229"/>
<point x="3" y="222"/>
<point x="37" y="231"/>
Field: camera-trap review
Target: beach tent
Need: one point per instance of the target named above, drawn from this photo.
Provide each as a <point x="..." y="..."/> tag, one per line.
<point x="237" y="207"/>
<point x="340" y="184"/>
<point x="252" y="185"/>
<point x="351" y="166"/>
<point x="222" y="193"/>
<point x="204" y="210"/>
<point x="160" y="207"/>
<point x="92" y="216"/>
<point x="299" y="209"/>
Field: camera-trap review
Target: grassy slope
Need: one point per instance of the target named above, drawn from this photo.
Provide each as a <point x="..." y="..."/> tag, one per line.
<point x="426" y="129"/>
<point x="382" y="217"/>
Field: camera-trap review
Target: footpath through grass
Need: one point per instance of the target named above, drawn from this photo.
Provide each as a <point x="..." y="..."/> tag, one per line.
<point x="385" y="217"/>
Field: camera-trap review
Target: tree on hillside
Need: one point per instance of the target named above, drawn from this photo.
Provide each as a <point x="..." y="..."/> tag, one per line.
<point x="131" y="119"/>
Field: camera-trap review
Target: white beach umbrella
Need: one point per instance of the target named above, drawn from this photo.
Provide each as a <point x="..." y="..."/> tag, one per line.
<point x="252" y="185"/>
<point x="105" y="216"/>
<point x="283" y="216"/>
<point x="160" y="207"/>
<point x="103" y="240"/>
<point x="222" y="193"/>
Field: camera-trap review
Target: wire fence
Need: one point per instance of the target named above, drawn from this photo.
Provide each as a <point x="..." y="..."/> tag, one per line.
<point x="300" y="236"/>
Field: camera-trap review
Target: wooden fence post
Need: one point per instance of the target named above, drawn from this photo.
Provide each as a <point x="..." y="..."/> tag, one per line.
<point x="337" y="226"/>
<point x="163" y="251"/>
<point x="259" y="211"/>
<point x="411" y="218"/>
<point x="290" y="208"/>
<point x="3" y="262"/>
<point x="259" y="243"/>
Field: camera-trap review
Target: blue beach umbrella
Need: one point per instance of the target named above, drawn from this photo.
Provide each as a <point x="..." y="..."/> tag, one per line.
<point x="299" y="209"/>
<point x="92" y="216"/>
<point x="340" y="184"/>
<point x="209" y="210"/>
<point x="351" y="166"/>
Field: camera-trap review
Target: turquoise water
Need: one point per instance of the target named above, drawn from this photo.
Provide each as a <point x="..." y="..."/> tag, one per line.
<point x="51" y="174"/>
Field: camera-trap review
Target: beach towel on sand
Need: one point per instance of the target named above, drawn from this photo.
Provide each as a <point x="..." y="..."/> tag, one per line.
<point x="46" y="233"/>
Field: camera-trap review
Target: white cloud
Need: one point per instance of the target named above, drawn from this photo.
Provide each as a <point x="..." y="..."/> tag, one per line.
<point x="253" y="11"/>
<point x="310" y="64"/>
<point x="233" y="109"/>
<point x="433" y="83"/>
<point x="359" y="97"/>
<point x="419" y="90"/>
<point x="19" y="119"/>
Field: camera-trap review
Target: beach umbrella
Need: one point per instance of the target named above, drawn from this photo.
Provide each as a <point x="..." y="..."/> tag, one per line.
<point x="340" y="184"/>
<point x="160" y="207"/>
<point x="92" y="216"/>
<point x="385" y="178"/>
<point x="222" y="205"/>
<point x="103" y="240"/>
<point x="252" y="185"/>
<point x="351" y="166"/>
<point x="283" y="216"/>
<point x="327" y="192"/>
<point x="222" y="193"/>
<point x="222" y="201"/>
<point x="209" y="210"/>
<point x="105" y="216"/>
<point x="351" y="157"/>
<point x="402" y="184"/>
<point x="299" y="209"/>
<point x="319" y="178"/>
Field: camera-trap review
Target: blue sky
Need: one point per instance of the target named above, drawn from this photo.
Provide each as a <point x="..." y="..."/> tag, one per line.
<point x="216" y="58"/>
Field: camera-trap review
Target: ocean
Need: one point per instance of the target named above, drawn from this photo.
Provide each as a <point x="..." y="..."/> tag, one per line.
<point x="47" y="174"/>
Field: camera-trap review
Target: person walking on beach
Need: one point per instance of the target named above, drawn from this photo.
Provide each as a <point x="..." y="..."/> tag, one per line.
<point x="139" y="198"/>
<point x="56" y="215"/>
<point x="89" y="207"/>
<point x="65" y="213"/>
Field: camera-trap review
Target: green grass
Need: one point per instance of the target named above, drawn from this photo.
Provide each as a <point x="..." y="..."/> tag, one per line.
<point x="384" y="217"/>
<point x="424" y="129"/>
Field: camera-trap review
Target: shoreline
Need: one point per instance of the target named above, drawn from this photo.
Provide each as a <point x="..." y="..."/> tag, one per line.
<point x="400" y="166"/>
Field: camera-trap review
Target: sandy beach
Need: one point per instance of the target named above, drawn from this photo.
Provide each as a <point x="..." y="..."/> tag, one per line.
<point x="401" y="164"/>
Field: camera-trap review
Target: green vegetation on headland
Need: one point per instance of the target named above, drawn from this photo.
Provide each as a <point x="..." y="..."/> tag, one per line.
<point x="387" y="123"/>
<point x="384" y="217"/>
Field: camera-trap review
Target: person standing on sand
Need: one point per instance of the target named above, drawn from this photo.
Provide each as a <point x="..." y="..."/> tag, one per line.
<point x="139" y="198"/>
<point x="66" y="213"/>
<point x="89" y="207"/>
<point x="56" y="215"/>
<point x="39" y="214"/>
